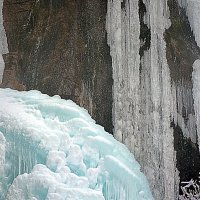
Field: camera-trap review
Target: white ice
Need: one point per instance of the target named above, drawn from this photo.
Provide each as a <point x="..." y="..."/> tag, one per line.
<point x="196" y="94"/>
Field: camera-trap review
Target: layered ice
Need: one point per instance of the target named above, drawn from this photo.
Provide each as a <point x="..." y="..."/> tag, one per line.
<point x="52" y="149"/>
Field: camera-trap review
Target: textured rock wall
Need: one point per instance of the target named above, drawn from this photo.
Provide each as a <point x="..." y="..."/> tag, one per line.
<point x="60" y="47"/>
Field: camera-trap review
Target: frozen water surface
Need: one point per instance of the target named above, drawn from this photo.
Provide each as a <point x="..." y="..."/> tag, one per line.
<point x="52" y="149"/>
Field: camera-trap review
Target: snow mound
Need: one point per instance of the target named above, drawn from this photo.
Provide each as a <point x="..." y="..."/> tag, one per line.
<point x="52" y="149"/>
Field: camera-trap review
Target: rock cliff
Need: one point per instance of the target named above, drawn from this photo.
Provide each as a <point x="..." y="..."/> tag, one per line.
<point x="60" y="47"/>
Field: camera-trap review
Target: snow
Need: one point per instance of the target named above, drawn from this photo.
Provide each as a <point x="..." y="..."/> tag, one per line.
<point x="51" y="149"/>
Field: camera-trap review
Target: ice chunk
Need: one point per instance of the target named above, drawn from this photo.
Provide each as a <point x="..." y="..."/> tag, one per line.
<point x="52" y="149"/>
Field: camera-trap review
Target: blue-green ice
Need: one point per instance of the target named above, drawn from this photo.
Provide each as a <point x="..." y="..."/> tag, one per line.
<point x="52" y="149"/>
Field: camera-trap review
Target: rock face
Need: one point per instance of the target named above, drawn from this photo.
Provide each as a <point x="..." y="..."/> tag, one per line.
<point x="60" y="47"/>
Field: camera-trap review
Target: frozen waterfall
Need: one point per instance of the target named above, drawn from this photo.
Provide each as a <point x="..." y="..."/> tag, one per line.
<point x="142" y="88"/>
<point x="52" y="149"/>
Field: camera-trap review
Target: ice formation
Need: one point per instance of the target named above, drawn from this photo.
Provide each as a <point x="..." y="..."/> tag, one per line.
<point x="50" y="148"/>
<point x="142" y="97"/>
<point x="196" y="96"/>
<point x="3" y="42"/>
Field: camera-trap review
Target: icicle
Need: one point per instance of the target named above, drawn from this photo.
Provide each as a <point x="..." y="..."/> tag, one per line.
<point x="196" y="92"/>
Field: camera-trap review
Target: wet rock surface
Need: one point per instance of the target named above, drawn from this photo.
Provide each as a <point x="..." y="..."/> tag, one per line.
<point x="60" y="47"/>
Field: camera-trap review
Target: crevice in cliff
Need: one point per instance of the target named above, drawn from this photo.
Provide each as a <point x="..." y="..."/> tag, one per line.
<point x="187" y="155"/>
<point x="123" y="4"/>
<point x="182" y="49"/>
<point x="145" y="32"/>
<point x="181" y="52"/>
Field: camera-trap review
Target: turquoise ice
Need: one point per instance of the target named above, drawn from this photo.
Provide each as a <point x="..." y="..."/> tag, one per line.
<point x="52" y="149"/>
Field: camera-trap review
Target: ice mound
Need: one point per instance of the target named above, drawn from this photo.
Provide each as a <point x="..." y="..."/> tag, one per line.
<point x="52" y="149"/>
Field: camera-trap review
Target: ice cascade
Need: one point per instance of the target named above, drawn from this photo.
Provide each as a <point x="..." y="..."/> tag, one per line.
<point x="50" y="148"/>
<point x="196" y="96"/>
<point x="142" y="97"/>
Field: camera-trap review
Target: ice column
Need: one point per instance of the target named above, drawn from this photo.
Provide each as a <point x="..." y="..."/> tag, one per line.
<point x="196" y="94"/>
<point x="3" y="42"/>
<point x="142" y="98"/>
<point x="156" y="100"/>
<point x="123" y="37"/>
